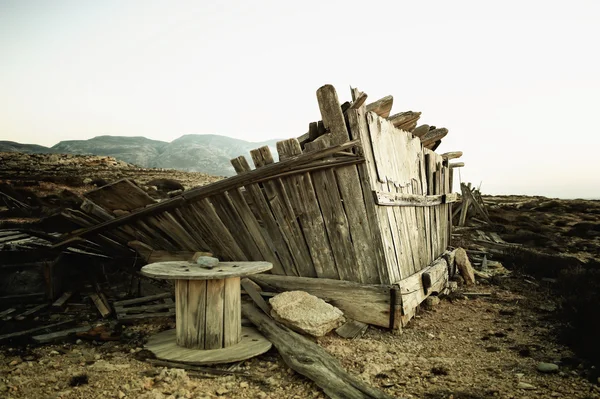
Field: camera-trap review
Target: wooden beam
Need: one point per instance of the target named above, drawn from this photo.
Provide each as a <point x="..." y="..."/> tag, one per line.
<point x="367" y="303"/>
<point x="406" y="121"/>
<point x="143" y="299"/>
<point x="332" y="115"/>
<point x="309" y="359"/>
<point x="420" y="131"/>
<point x="391" y="199"/>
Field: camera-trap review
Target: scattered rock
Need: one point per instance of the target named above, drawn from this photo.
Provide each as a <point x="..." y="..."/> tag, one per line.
<point x="207" y="261"/>
<point x="524" y="385"/>
<point x="464" y="266"/>
<point x="87" y="180"/>
<point x="305" y="313"/>
<point x="547" y="367"/>
<point x="431" y="302"/>
<point x="221" y="391"/>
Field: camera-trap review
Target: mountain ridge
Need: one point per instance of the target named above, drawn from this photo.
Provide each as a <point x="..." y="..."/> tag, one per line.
<point x="207" y="153"/>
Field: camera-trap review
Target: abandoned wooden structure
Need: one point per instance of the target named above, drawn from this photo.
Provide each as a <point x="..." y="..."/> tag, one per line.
<point x="357" y="211"/>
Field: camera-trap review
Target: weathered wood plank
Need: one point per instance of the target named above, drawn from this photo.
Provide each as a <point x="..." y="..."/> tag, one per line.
<point x="311" y="220"/>
<point x="284" y="213"/>
<point x="100" y="305"/>
<point x="331" y="113"/>
<point x="215" y="290"/>
<point x="144" y="299"/>
<point x="401" y="199"/>
<point x="367" y="303"/>
<point x="122" y="194"/>
<point x="381" y="107"/>
<point x="232" y="317"/>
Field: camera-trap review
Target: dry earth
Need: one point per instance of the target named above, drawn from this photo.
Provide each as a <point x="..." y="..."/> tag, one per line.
<point x="465" y="347"/>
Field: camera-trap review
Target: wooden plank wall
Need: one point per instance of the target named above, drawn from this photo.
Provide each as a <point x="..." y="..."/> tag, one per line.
<point x="396" y="163"/>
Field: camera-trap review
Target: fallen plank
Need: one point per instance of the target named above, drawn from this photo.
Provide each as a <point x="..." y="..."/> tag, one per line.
<point x="352" y="329"/>
<point x="30" y="331"/>
<point x="310" y="360"/>
<point x="169" y="304"/>
<point x="200" y="369"/>
<point x="142" y="316"/>
<point x="251" y="290"/>
<point x="31" y="311"/>
<point x="143" y="299"/>
<point x="382" y="107"/>
<point x="58" y="335"/>
<point x="60" y="302"/>
<point x="475" y="294"/>
<point x="370" y="304"/>
<point x="100" y="305"/>
<point x="6" y="312"/>
<point x="400" y="199"/>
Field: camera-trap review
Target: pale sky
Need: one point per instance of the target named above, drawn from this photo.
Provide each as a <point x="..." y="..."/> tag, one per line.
<point x="516" y="82"/>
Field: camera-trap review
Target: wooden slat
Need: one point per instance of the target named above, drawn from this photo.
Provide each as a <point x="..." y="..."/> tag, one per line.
<point x="284" y="213"/>
<point x="332" y="115"/>
<point x="215" y="290"/>
<point x="100" y="305"/>
<point x="181" y="303"/>
<point x="197" y="313"/>
<point x="452" y="155"/>
<point x="311" y="219"/>
<point x="122" y="194"/>
<point x="232" y="322"/>
<point x="406" y="121"/>
<point x="286" y="263"/>
<point x="381" y="107"/>
<point x="389" y="199"/>
<point x="144" y="299"/>
<point x="434" y="135"/>
<point x="457" y="164"/>
<point x="195" y="194"/>
<point x="359" y="130"/>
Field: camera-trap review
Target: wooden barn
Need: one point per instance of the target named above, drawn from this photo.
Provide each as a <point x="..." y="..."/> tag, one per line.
<point x="357" y="211"/>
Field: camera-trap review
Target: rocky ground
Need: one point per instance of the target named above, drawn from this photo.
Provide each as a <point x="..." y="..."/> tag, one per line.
<point x="514" y="341"/>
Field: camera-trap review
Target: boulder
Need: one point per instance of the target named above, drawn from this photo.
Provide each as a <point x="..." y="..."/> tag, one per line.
<point x="464" y="266"/>
<point x="305" y="313"/>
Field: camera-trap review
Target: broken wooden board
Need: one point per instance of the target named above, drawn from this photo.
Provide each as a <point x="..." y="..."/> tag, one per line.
<point x="310" y="360"/>
<point x="400" y="199"/>
<point x="352" y="329"/>
<point x="122" y="195"/>
<point x="369" y="304"/>
<point x="59" y="335"/>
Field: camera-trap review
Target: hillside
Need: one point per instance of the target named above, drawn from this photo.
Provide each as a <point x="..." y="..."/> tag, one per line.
<point x="207" y="153"/>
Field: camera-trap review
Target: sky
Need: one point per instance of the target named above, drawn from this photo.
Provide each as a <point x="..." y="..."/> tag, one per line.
<point x="516" y="82"/>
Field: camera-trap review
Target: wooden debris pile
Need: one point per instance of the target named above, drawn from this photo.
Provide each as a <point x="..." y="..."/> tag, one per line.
<point x="471" y="204"/>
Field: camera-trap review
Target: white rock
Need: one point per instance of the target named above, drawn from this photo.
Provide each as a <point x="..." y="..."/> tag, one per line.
<point x="306" y="313"/>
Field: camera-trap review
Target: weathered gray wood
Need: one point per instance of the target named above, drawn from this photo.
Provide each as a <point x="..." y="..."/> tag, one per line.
<point x="406" y="121"/>
<point x="332" y="115"/>
<point x="310" y="360"/>
<point x="433" y="135"/>
<point x="143" y="299"/>
<point x="100" y="305"/>
<point x="420" y="131"/>
<point x="31" y="311"/>
<point x="232" y="312"/>
<point x="352" y="329"/>
<point x="59" y="335"/>
<point x="122" y="194"/>
<point x="30" y="331"/>
<point x="215" y="291"/>
<point x="311" y="220"/>
<point x="182" y="270"/>
<point x="143" y="316"/>
<point x="167" y="305"/>
<point x="381" y="107"/>
<point x="270" y="224"/>
<point x="452" y="155"/>
<point x="389" y="199"/>
<point x="6" y="312"/>
<point x="367" y="303"/>
<point x="457" y="164"/>
<point x="283" y="210"/>
<point x="60" y="302"/>
<point x="368" y="176"/>
<point x="249" y="287"/>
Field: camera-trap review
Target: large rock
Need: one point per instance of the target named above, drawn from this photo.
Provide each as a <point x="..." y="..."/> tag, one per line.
<point x="464" y="266"/>
<point x="305" y="313"/>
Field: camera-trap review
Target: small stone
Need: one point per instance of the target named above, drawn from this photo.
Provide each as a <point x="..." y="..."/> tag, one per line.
<point x="305" y="313"/>
<point x="464" y="266"/>
<point x="524" y="385"/>
<point x="15" y="362"/>
<point x="78" y="342"/>
<point x="243" y="385"/>
<point x="431" y="302"/>
<point x="207" y="261"/>
<point x="121" y="394"/>
<point x="87" y="180"/>
<point x="221" y="391"/>
<point x="547" y="367"/>
<point x="54" y="353"/>
<point x="519" y="375"/>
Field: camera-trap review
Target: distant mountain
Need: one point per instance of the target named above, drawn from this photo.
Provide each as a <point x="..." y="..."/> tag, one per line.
<point x="136" y="150"/>
<point x="11" y="146"/>
<point x="208" y="153"/>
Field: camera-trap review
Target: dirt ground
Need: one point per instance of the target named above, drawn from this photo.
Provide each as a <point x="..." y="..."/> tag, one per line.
<point x="467" y="346"/>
